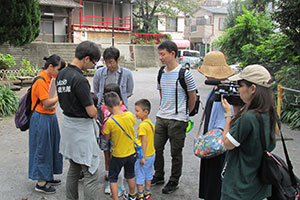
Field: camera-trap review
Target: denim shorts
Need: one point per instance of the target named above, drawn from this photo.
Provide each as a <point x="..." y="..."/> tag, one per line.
<point x="144" y="172"/>
<point x="105" y="145"/>
<point x="116" y="165"/>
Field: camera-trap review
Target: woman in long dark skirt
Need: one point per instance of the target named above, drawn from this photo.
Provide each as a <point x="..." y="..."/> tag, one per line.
<point x="44" y="136"/>
<point x="214" y="68"/>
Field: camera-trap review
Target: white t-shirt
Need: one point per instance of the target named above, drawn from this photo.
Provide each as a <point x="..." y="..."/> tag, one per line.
<point x="167" y="109"/>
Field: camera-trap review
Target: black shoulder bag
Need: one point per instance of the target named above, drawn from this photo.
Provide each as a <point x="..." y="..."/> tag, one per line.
<point x="274" y="171"/>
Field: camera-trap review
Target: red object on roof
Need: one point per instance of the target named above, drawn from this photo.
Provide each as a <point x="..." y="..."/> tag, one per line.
<point x="182" y="44"/>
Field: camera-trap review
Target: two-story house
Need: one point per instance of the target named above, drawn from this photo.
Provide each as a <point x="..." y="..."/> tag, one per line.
<point x="206" y="25"/>
<point x="175" y="27"/>
<point x="79" y="20"/>
<point x="95" y="21"/>
<point x="56" y="20"/>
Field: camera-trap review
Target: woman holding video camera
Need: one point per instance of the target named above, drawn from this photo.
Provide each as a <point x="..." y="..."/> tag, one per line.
<point x="242" y="136"/>
<point x="214" y="68"/>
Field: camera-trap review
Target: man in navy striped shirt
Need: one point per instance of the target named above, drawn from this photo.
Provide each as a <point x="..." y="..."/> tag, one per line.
<point x="171" y="125"/>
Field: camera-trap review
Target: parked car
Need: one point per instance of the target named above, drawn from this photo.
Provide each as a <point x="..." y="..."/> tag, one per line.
<point x="236" y="67"/>
<point x="188" y="58"/>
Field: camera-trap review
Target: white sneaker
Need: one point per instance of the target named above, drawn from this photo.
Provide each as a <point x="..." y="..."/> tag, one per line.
<point x="121" y="191"/>
<point x="107" y="189"/>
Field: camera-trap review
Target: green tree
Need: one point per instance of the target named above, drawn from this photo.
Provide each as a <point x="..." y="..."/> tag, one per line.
<point x="274" y="53"/>
<point x="146" y="10"/>
<point x="235" y="9"/>
<point x="251" y="28"/>
<point x="287" y="15"/>
<point x="19" y="21"/>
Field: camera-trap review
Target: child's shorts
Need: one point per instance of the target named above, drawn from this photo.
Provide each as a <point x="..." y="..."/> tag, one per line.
<point x="144" y="172"/>
<point x="105" y="144"/>
<point x="116" y="165"/>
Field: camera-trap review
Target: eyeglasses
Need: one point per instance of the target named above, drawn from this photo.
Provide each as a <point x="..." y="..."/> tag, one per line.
<point x="110" y="62"/>
<point x="94" y="63"/>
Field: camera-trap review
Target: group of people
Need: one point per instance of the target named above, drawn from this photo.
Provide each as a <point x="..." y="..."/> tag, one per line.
<point x="104" y="120"/>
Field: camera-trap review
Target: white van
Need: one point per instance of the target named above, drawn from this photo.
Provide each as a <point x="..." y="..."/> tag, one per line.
<point x="188" y="58"/>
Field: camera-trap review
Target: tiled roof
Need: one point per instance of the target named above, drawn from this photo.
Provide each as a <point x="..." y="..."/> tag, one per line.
<point x="217" y="10"/>
<point x="60" y="3"/>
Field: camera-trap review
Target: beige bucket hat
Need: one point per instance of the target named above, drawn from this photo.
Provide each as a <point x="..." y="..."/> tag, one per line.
<point x="255" y="74"/>
<point x="215" y="66"/>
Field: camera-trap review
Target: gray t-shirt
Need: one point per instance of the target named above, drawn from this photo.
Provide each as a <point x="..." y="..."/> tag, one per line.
<point x="111" y="78"/>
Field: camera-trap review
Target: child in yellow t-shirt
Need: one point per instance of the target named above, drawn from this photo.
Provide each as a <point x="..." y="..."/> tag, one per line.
<point x="123" y="152"/>
<point x="144" y="166"/>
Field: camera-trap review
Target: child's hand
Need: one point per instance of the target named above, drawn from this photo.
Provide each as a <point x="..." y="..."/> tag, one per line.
<point x="142" y="161"/>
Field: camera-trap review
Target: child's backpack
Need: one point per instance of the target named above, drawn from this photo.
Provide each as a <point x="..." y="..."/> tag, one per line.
<point x="181" y="80"/>
<point x="22" y="117"/>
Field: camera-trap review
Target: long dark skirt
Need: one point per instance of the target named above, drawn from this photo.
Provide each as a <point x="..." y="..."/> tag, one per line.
<point x="210" y="177"/>
<point x="44" y="137"/>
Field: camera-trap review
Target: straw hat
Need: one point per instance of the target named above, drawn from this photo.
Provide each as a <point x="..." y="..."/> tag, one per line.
<point x="255" y="74"/>
<point x="215" y="66"/>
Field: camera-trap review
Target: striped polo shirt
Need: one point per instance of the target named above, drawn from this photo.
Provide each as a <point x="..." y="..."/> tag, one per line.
<point x="167" y="109"/>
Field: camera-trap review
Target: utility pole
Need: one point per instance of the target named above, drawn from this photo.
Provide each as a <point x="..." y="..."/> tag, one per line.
<point x="113" y="24"/>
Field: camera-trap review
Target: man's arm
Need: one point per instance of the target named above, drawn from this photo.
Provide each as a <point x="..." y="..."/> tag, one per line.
<point x="96" y="82"/>
<point x="91" y="111"/>
<point x="130" y="84"/>
<point x="192" y="100"/>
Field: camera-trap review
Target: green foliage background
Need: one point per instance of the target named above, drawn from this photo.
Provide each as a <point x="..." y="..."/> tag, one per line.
<point x="6" y="61"/>
<point x="19" y="21"/>
<point x="253" y="38"/>
<point x="9" y="102"/>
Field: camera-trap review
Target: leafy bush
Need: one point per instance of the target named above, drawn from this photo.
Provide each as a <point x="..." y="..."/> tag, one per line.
<point x="27" y="69"/>
<point x="274" y="53"/>
<point x="288" y="76"/>
<point x="251" y="28"/>
<point x="6" y="61"/>
<point x="9" y="102"/>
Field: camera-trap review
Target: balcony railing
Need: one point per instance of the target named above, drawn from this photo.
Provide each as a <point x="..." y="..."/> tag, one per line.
<point x="100" y="22"/>
<point x="137" y="38"/>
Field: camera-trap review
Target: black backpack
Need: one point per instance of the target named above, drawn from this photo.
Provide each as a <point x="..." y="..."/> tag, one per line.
<point x="181" y="80"/>
<point x="273" y="170"/>
<point x="23" y="115"/>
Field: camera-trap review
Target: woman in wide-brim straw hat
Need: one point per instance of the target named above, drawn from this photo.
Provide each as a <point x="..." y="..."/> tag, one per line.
<point x="214" y="68"/>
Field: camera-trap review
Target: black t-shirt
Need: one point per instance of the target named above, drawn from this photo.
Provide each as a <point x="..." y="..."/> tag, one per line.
<point x="73" y="91"/>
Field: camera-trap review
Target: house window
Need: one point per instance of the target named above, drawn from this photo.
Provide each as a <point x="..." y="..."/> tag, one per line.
<point x="203" y="20"/>
<point x="46" y="27"/>
<point x="221" y="24"/>
<point x="171" y="24"/>
<point x="193" y="28"/>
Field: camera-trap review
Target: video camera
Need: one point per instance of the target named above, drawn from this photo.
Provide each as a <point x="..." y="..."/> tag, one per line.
<point x="229" y="90"/>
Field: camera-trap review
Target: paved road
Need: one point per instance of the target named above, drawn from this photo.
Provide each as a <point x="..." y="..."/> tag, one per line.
<point x="14" y="182"/>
